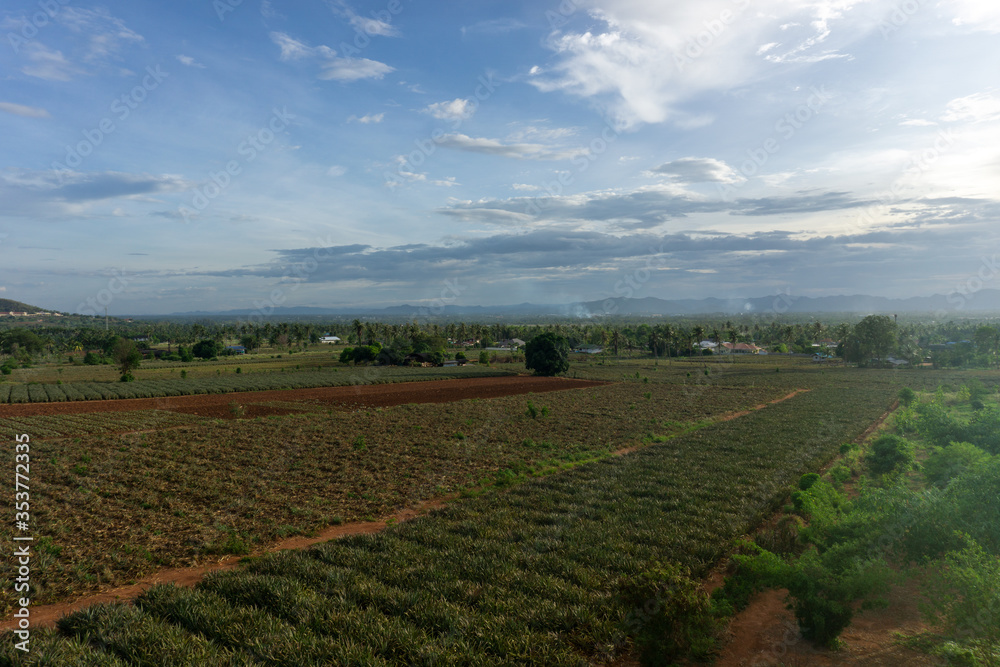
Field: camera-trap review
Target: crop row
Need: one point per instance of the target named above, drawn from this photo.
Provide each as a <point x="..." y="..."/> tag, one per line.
<point x="86" y="391"/>
<point x="56" y="426"/>
<point x="528" y="576"/>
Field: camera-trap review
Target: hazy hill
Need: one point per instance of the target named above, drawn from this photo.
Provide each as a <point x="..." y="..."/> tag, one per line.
<point x="954" y="304"/>
<point x="8" y="305"/>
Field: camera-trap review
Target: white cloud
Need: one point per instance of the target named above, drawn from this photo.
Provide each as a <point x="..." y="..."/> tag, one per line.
<point x="107" y="34"/>
<point x="369" y="26"/>
<point x="336" y="171"/>
<point x="975" y="108"/>
<point x="189" y="61"/>
<point x="457" y="109"/>
<point x="353" y="69"/>
<point x="699" y="170"/>
<point x="917" y="122"/>
<point x="333" y="67"/>
<point x="22" y="110"/>
<point x="977" y="14"/>
<point x="647" y="59"/>
<point x="524" y="187"/>
<point x="293" y="49"/>
<point x="368" y="119"/>
<point x="521" y="151"/>
<point x="47" y="64"/>
<point x="532" y="132"/>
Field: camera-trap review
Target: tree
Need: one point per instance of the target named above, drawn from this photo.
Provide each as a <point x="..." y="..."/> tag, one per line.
<point x="547" y="354"/>
<point x="127" y="357"/>
<point x="874" y="337"/>
<point x="206" y="349"/>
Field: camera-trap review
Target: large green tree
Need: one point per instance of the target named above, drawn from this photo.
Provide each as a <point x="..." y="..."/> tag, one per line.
<point x="873" y="339"/>
<point x="547" y="354"/>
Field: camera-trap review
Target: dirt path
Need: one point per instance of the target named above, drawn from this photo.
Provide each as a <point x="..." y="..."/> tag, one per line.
<point x="45" y="616"/>
<point x="354" y="396"/>
<point x="765" y="634"/>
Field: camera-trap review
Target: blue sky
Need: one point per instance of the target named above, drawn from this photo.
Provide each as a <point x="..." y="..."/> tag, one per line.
<point x="215" y="155"/>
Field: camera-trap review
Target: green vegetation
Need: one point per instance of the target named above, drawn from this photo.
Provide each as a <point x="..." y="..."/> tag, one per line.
<point x="540" y="570"/>
<point x="946" y="535"/>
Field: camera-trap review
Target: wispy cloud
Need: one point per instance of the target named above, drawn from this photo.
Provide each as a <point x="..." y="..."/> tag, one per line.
<point x="699" y="170"/>
<point x="333" y="67"/>
<point x="521" y="151"/>
<point x="189" y="62"/>
<point x="494" y="26"/>
<point x="22" y="110"/>
<point x="367" y="119"/>
<point x="47" y="64"/>
<point x="369" y="26"/>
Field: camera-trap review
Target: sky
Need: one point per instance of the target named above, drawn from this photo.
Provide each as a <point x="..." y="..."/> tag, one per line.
<point x="236" y="154"/>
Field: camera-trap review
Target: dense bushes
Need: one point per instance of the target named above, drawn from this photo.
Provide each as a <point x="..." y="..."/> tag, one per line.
<point x="890" y="453"/>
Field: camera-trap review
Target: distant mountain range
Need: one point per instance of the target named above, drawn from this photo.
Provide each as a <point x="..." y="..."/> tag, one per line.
<point x="987" y="300"/>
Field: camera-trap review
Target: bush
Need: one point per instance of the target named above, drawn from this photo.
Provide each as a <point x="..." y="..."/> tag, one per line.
<point x="889" y="453"/>
<point x="91" y="359"/>
<point x="949" y="462"/>
<point x="484" y="358"/>
<point x="907" y="396"/>
<point x="823" y="596"/>
<point x="808" y="480"/>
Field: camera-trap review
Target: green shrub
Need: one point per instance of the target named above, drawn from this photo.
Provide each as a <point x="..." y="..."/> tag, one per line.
<point x="907" y="396"/>
<point x="807" y="480"/>
<point x="965" y="594"/>
<point x="484" y="358"/>
<point x="823" y="595"/>
<point x="889" y="453"/>
<point x="949" y="462"/>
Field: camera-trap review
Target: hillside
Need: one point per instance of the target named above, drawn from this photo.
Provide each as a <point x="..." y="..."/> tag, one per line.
<point x="8" y="305"/>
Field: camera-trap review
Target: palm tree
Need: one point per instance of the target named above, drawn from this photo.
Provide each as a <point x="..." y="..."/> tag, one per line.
<point x="698" y="332"/>
<point x="654" y="342"/>
<point x="358" y="329"/>
<point x="616" y="340"/>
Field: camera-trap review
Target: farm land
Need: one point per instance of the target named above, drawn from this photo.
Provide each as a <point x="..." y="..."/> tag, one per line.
<point x="554" y="499"/>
